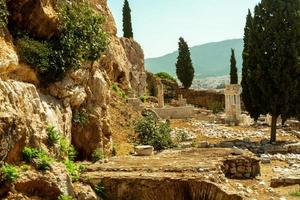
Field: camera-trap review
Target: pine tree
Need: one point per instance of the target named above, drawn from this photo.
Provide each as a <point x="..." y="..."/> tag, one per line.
<point x="127" y="26"/>
<point x="233" y="69"/>
<point x="184" y="66"/>
<point x="270" y="69"/>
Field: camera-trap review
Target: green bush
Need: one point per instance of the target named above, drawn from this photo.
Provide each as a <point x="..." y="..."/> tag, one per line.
<point x="216" y="107"/>
<point x="165" y="75"/>
<point x="151" y="132"/>
<point x="39" y="157"/>
<point x="73" y="169"/>
<point x="9" y="173"/>
<point x="53" y="135"/>
<point x="67" y="149"/>
<point x="100" y="190"/>
<point x="97" y="155"/>
<point x="65" y="197"/>
<point x="81" y="38"/>
<point x="118" y="91"/>
<point x="181" y="136"/>
<point x="30" y="153"/>
<point x="81" y="117"/>
<point x="43" y="161"/>
<point x="3" y="14"/>
<point x="143" y="99"/>
<point x="72" y="153"/>
<point x="25" y="167"/>
<point x="64" y="147"/>
<point x="295" y="194"/>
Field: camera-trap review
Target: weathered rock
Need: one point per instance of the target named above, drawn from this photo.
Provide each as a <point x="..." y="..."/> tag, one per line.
<point x="135" y="56"/>
<point x="87" y="88"/>
<point x="84" y="192"/>
<point x="38" y="17"/>
<point x="24" y="73"/>
<point x="24" y="115"/>
<point x="47" y="185"/>
<point x="8" y="56"/>
<point x="163" y="188"/>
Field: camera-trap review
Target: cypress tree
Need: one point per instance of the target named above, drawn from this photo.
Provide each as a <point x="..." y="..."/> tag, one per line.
<point x="184" y="66"/>
<point x="250" y="92"/>
<point x="233" y="69"/>
<point x="271" y="69"/>
<point x="127" y="26"/>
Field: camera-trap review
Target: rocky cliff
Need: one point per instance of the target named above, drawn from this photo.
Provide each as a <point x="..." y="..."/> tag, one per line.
<point x="86" y="88"/>
<point x="28" y="108"/>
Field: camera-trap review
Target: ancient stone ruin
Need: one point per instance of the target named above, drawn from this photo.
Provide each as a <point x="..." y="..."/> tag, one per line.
<point x="232" y="103"/>
<point x="241" y="167"/>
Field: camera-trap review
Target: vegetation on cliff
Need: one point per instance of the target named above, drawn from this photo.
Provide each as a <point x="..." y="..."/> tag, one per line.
<point x="165" y="75"/>
<point x="81" y="38"/>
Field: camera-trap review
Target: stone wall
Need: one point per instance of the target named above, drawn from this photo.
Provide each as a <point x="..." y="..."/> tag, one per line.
<point x="241" y="167"/>
<point x="201" y="98"/>
<point x="170" y="88"/>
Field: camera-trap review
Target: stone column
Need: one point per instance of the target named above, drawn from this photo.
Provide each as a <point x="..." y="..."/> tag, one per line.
<point x="232" y="103"/>
<point x="160" y="94"/>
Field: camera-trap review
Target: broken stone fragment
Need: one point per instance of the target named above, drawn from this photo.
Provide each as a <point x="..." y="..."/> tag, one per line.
<point x="144" y="150"/>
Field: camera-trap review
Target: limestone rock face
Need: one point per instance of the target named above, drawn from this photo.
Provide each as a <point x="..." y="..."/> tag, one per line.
<point x="115" y="62"/>
<point x="135" y="55"/>
<point x="8" y="56"/>
<point x="25" y="112"/>
<point x="38" y="17"/>
<point x="87" y="88"/>
<point x="84" y="192"/>
<point x="109" y="25"/>
<point x="24" y="115"/>
<point x="46" y="185"/>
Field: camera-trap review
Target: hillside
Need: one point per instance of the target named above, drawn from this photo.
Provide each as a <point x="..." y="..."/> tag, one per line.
<point x="211" y="59"/>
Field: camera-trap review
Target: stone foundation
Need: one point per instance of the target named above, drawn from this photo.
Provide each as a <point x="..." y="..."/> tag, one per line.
<point x="241" y="167"/>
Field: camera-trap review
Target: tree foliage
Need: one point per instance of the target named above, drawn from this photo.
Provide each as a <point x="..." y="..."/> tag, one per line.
<point x="271" y="60"/>
<point x="127" y="25"/>
<point x="233" y="69"/>
<point x="184" y="66"/>
<point x="165" y="75"/>
<point x="3" y="14"/>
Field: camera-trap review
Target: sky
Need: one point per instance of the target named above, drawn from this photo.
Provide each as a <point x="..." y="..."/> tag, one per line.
<point x="158" y="24"/>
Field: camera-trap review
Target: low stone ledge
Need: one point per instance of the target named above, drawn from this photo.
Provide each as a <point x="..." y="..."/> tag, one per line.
<point x="278" y="182"/>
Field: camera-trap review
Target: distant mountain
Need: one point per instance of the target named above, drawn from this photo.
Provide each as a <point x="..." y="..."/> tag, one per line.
<point x="211" y="59"/>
